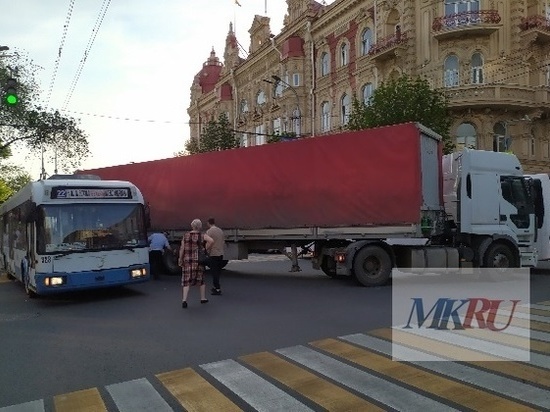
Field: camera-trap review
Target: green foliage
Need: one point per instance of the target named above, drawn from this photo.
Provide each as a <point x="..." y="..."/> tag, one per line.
<point x="28" y="127"/>
<point x="405" y="100"/>
<point x="12" y="178"/>
<point x="217" y="135"/>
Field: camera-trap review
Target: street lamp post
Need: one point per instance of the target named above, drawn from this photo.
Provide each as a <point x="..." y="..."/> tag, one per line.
<point x="298" y="117"/>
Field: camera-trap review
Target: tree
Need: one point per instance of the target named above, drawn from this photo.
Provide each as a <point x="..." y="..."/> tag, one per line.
<point x="12" y="179"/>
<point x="30" y="127"/>
<point x="405" y="100"/>
<point x="217" y="135"/>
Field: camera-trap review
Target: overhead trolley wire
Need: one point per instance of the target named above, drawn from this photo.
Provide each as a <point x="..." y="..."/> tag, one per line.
<point x="60" y="50"/>
<point x="95" y="30"/>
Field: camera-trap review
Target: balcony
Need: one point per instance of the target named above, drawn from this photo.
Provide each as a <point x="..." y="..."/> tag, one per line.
<point x="497" y="96"/>
<point x="389" y="47"/>
<point x="467" y="23"/>
<point x="535" y="29"/>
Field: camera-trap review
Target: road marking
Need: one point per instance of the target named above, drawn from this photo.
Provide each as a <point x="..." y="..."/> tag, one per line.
<point x="194" y="393"/>
<point x="85" y="400"/>
<point x="456" y="392"/>
<point x="137" y="395"/>
<point x="34" y="406"/>
<point x="260" y="394"/>
<point x="379" y="389"/>
<point x="465" y="373"/>
<point x="326" y="394"/>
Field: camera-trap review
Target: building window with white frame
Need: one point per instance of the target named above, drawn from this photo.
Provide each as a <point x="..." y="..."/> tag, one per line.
<point x="368" y="90"/>
<point x="465" y="12"/>
<point x="344" y="54"/>
<point x="366" y="41"/>
<point x="501" y="141"/>
<point x="451" y="72"/>
<point x="244" y="140"/>
<point x="277" y="126"/>
<point x="476" y="65"/>
<point x="244" y="106"/>
<point x="325" y="117"/>
<point x="296" y="79"/>
<point x="325" y="64"/>
<point x="345" y="105"/>
<point x="260" y="135"/>
<point x="260" y="98"/>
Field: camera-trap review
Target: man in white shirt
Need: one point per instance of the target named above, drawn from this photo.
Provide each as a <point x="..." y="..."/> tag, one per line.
<point x="157" y="243"/>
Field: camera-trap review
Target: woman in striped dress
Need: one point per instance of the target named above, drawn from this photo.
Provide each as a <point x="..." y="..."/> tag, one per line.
<point x="192" y="272"/>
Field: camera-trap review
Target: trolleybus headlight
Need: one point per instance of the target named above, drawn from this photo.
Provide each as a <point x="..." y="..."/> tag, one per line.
<point x="137" y="273"/>
<point x="55" y="280"/>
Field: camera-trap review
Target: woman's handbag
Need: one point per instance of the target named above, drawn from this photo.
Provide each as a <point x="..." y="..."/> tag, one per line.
<point x="203" y="254"/>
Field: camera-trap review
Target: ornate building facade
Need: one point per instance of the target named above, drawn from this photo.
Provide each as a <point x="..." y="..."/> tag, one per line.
<point x="490" y="57"/>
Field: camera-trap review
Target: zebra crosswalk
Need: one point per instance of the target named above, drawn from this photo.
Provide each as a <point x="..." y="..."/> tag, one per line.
<point x="353" y="372"/>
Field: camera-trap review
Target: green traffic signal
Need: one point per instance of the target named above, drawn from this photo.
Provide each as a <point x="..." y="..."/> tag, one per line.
<point x="11" y="99"/>
<point x="10" y="92"/>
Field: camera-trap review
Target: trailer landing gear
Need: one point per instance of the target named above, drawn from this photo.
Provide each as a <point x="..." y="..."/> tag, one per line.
<point x="293" y="256"/>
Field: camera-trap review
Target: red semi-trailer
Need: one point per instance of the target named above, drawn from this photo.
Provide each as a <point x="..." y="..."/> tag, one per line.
<point x="359" y="196"/>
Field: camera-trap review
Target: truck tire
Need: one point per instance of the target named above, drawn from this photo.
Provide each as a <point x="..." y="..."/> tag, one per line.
<point x="170" y="262"/>
<point x="372" y="266"/>
<point x="500" y="255"/>
<point x="328" y="267"/>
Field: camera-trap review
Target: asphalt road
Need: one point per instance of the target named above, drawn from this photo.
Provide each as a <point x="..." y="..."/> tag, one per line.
<point x="65" y="343"/>
<point x="128" y="336"/>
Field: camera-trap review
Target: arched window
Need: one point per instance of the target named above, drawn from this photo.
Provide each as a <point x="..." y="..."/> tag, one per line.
<point x="325" y="117"/>
<point x="325" y="64"/>
<point x="260" y="98"/>
<point x="501" y="140"/>
<point x="477" y="68"/>
<point x="466" y="136"/>
<point x="368" y="90"/>
<point x="366" y="42"/>
<point x="451" y="71"/>
<point x="345" y="105"/>
<point x="344" y="54"/>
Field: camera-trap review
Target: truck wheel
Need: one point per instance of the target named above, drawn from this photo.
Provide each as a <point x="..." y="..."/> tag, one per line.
<point x="500" y="255"/>
<point x="328" y="267"/>
<point x="170" y="262"/>
<point x="372" y="266"/>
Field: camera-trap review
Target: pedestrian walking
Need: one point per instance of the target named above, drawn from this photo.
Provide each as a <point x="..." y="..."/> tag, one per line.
<point x="192" y="271"/>
<point x="215" y="252"/>
<point x="158" y="242"/>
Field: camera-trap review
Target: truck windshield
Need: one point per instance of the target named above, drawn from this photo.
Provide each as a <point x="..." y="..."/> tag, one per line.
<point x="89" y="227"/>
<point x="515" y="190"/>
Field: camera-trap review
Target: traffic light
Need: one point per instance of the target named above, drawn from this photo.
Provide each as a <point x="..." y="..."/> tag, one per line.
<point x="10" y="92"/>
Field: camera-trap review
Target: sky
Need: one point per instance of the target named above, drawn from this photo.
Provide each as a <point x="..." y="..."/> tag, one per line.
<point x="137" y="63"/>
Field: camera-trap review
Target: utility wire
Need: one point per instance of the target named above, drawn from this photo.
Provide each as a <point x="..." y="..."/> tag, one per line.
<point x="59" y="51"/>
<point x="95" y="30"/>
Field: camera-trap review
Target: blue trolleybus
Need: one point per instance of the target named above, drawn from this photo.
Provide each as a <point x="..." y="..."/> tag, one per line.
<point x="74" y="232"/>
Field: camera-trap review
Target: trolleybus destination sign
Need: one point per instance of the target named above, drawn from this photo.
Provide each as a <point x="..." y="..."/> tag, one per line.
<point x="91" y="193"/>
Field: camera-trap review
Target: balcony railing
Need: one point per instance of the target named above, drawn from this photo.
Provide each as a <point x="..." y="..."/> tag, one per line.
<point x="475" y="22"/>
<point x="388" y="43"/>
<point x="537" y="28"/>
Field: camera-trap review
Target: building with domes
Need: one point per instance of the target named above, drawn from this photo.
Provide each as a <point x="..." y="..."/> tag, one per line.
<point x="490" y="57"/>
